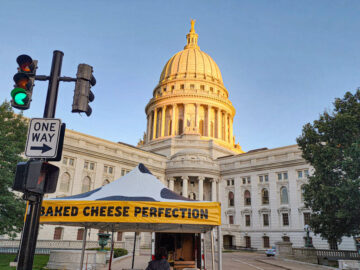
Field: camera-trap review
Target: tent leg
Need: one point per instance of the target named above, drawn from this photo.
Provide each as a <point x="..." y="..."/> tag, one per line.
<point x="112" y="249"/>
<point x="219" y="248"/>
<point x="152" y="246"/>
<point x="83" y="248"/>
<point x="212" y="250"/>
<point x="203" y="251"/>
<point x="133" y="257"/>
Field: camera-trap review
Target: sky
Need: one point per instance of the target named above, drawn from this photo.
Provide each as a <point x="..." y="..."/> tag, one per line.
<point x="283" y="62"/>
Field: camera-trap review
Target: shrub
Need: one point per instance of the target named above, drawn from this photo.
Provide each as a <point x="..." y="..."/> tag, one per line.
<point x="118" y="252"/>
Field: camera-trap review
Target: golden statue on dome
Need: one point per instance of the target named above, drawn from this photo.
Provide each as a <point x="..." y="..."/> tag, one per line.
<point x="192" y="30"/>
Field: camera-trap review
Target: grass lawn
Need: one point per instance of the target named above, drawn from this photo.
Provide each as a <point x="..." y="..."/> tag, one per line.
<point x="40" y="261"/>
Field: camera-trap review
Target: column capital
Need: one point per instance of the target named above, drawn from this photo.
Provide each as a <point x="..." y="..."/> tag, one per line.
<point x="215" y="180"/>
<point x="171" y="179"/>
<point x="185" y="177"/>
<point x="201" y="178"/>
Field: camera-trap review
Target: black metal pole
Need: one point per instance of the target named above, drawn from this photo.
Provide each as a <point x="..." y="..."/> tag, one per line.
<point x="133" y="257"/>
<point x="31" y="226"/>
<point x="51" y="98"/>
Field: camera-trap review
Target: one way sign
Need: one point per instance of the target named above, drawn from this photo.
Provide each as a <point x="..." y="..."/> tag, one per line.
<point x="43" y="138"/>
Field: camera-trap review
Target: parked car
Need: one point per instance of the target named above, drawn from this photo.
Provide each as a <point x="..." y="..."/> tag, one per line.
<point x="271" y="251"/>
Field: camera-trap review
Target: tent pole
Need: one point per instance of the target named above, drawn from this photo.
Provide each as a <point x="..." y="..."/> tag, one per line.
<point x="133" y="257"/>
<point x="83" y="248"/>
<point x="203" y="249"/>
<point x="112" y="249"/>
<point x="219" y="248"/>
<point x="212" y="250"/>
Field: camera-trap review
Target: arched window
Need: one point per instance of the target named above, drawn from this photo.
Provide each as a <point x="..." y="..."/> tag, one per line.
<point x="86" y="184"/>
<point x="106" y="182"/>
<point x="265" y="196"/>
<point x="302" y="192"/>
<point x="65" y="182"/>
<point x="231" y="198"/>
<point x="247" y="197"/>
<point x="284" y="195"/>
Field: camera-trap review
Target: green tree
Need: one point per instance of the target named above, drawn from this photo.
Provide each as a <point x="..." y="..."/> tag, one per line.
<point x="332" y="146"/>
<point x="13" y="130"/>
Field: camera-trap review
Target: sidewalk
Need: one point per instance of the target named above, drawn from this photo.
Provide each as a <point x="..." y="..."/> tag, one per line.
<point x="294" y="265"/>
<point x="141" y="262"/>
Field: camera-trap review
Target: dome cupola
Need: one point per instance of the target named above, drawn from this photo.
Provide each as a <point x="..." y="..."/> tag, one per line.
<point x="191" y="98"/>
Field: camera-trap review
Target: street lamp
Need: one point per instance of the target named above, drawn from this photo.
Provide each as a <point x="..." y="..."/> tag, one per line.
<point x="308" y="243"/>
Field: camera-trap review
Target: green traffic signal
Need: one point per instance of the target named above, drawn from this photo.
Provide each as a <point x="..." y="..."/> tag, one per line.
<point x="19" y="96"/>
<point x="24" y="82"/>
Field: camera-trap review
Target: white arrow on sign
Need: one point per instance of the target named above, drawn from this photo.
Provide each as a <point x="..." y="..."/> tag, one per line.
<point x="43" y="138"/>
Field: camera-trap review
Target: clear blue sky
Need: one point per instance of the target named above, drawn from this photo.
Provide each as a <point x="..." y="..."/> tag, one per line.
<point x="283" y="62"/>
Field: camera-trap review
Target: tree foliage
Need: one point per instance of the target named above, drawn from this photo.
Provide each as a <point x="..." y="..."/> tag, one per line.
<point x="332" y="146"/>
<point x="13" y="130"/>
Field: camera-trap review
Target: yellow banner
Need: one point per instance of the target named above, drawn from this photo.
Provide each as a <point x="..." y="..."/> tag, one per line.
<point x="207" y="213"/>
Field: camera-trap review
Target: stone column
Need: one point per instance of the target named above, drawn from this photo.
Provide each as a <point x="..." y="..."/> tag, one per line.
<point x="184" y="119"/>
<point x="213" y="189"/>
<point x="148" y="118"/>
<point x="197" y="116"/>
<point x="226" y="127"/>
<point x="173" y="128"/>
<point x="218" y="127"/>
<point x="171" y="183"/>
<point x="201" y="187"/>
<point x="163" y="121"/>
<point x="231" y="131"/>
<point x="185" y="180"/>
<point x="208" y="120"/>
<point x="154" y="123"/>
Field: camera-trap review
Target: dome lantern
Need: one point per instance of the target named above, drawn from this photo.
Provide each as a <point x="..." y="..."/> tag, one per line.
<point x="192" y="37"/>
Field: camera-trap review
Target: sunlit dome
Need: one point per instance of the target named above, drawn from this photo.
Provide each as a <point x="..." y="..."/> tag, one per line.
<point x="191" y="63"/>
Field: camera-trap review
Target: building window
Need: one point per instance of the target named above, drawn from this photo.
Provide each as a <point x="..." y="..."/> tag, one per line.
<point x="286" y="239"/>
<point x="65" y="160"/>
<point x="247" y="197"/>
<point x="86" y="184"/>
<point x="111" y="170"/>
<point x="211" y="89"/>
<point x="263" y="178"/>
<point x="307" y="218"/>
<point x="58" y="233"/>
<point x="306" y="173"/>
<point x="266" y="241"/>
<point x="119" y="236"/>
<point x="65" y="182"/>
<point x="80" y="234"/>
<point x="202" y="87"/>
<point x="282" y="176"/>
<point x="71" y="162"/>
<point x="192" y="86"/>
<point x="231" y="198"/>
<point x="266" y="219"/>
<point x="284" y="195"/>
<point x="182" y="86"/>
<point x="92" y="166"/>
<point x="108" y="169"/>
<point x="231" y="219"/>
<point x="265" y="196"/>
<point x="247" y="220"/>
<point x="124" y="172"/>
<point x="232" y="182"/>
<point x="86" y="165"/>
<point x="247" y="241"/>
<point x="172" y="87"/>
<point x="300" y="174"/>
<point x="285" y="218"/>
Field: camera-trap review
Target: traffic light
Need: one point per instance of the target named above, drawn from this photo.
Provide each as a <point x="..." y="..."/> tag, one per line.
<point x="36" y="176"/>
<point x="24" y="82"/>
<point x="82" y="94"/>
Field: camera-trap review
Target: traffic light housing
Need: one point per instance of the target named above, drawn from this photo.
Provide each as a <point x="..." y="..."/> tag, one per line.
<point x="82" y="94"/>
<point x="36" y="176"/>
<point x="24" y="82"/>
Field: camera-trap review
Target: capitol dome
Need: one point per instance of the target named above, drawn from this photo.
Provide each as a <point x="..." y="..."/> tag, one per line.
<point x="190" y="98"/>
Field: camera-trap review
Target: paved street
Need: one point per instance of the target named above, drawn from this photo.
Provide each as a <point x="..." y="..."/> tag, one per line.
<point x="235" y="260"/>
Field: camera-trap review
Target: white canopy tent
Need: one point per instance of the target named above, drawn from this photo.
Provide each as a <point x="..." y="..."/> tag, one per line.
<point x="136" y="202"/>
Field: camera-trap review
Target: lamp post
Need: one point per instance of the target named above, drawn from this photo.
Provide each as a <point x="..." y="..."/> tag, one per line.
<point x="307" y="229"/>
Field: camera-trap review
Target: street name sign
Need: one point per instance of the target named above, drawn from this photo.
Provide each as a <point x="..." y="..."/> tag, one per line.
<point x="43" y="138"/>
